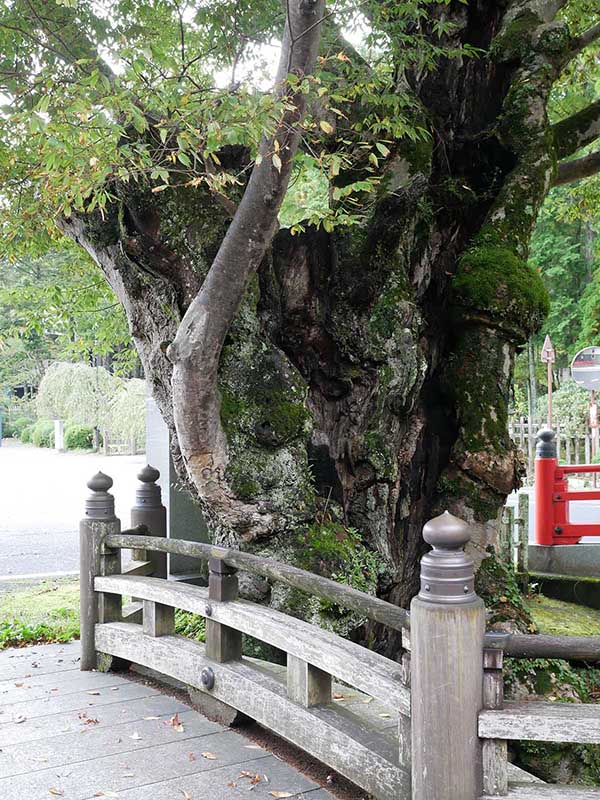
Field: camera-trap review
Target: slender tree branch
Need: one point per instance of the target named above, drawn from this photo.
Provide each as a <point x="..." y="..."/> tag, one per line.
<point x="197" y="347"/>
<point x="577" y="131"/>
<point x="576" y="170"/>
<point x="584" y="39"/>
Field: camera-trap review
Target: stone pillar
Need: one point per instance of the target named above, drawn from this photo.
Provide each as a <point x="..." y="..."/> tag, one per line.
<point x="184" y="517"/>
<point x="149" y="511"/>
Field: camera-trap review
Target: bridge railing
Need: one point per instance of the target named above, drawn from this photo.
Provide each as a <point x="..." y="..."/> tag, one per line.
<point x="438" y="728"/>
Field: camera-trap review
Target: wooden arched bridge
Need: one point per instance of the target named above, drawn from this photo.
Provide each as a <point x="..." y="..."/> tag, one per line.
<point x="442" y="725"/>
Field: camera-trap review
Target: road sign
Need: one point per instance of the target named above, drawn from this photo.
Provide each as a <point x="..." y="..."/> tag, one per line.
<point x="548" y="356"/>
<point x="585" y="368"/>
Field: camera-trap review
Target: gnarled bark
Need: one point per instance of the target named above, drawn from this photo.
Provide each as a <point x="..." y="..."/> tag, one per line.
<point x="359" y="379"/>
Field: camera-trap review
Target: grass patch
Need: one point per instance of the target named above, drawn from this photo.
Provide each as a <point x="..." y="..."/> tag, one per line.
<point x="48" y="612"/>
<point x="559" y="618"/>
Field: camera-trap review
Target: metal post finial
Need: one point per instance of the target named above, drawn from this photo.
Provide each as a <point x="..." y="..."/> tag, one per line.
<point x="147" y="494"/>
<point x="447" y="573"/>
<point x="546" y="444"/>
<point x="100" y="504"/>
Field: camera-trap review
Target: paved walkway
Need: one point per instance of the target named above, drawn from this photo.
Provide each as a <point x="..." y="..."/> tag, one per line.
<point x="79" y="735"/>
<point x="42" y="495"/>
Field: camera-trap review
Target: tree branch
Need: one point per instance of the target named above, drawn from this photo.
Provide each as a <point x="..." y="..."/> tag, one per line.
<point x="197" y="347"/>
<point x="584" y="39"/>
<point x="577" y="131"/>
<point x="576" y="170"/>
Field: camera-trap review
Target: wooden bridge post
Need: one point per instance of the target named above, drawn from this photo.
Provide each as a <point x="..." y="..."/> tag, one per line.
<point x="97" y="560"/>
<point x="447" y="635"/>
<point x="222" y="642"/>
<point x="150" y="512"/>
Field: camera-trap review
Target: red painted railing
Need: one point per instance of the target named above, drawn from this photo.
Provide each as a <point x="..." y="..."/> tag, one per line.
<point x="552" y="496"/>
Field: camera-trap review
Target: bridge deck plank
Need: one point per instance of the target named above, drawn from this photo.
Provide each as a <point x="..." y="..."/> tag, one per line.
<point x="131" y="751"/>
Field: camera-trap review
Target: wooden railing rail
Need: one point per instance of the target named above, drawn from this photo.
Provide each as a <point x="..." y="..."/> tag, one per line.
<point x="539" y="645"/>
<point x="517" y="645"/>
<point x="345" y="596"/>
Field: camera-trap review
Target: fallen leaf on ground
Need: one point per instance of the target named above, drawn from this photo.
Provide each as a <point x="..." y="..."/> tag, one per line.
<point x="135" y="736"/>
<point x="187" y="795"/>
<point x="175" y="723"/>
<point x="92" y="721"/>
<point x="57" y="792"/>
<point x="254" y="777"/>
<point x="93" y="693"/>
<point x="191" y="757"/>
<point x="151" y="717"/>
<point x="281" y="794"/>
<point x="385" y="715"/>
<point x="19" y="718"/>
<point x="209" y="756"/>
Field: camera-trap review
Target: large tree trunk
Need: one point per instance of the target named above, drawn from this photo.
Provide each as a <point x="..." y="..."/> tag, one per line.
<point x="365" y="378"/>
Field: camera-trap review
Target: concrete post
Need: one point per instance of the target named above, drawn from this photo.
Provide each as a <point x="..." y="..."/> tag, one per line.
<point x="59" y="435"/>
<point x="149" y="511"/>
<point x="95" y="559"/>
<point x="447" y="634"/>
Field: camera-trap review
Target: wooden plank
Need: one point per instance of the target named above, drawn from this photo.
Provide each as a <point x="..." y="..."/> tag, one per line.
<point x="543" y="722"/>
<point x="345" y="596"/>
<point x="549" y="792"/>
<point x="138" y="568"/>
<point x="307" y="685"/>
<point x="574" y="648"/>
<point x="335" y="738"/>
<point x="159" y="620"/>
<point x="495" y="774"/>
<point x="373" y="674"/>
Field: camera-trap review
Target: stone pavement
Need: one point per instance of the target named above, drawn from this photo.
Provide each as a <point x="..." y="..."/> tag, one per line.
<point x="79" y="735"/>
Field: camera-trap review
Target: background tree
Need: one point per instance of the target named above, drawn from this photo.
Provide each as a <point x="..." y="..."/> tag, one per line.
<point x="362" y="357"/>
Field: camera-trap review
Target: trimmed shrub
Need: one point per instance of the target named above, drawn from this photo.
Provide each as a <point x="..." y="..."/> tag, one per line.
<point x="79" y="437"/>
<point x="8" y="429"/>
<point x="26" y="434"/>
<point x="43" y="433"/>
<point x="19" y="425"/>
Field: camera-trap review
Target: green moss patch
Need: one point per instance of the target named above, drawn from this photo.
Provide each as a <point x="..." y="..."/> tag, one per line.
<point x="557" y="618"/>
<point x="492" y="280"/>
